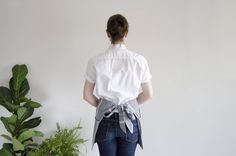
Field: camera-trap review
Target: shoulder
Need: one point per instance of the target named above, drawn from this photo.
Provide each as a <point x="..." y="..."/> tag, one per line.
<point x="96" y="58"/>
<point x="138" y="57"/>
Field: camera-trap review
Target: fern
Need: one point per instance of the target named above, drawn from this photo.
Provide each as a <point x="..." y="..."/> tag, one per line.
<point x="65" y="142"/>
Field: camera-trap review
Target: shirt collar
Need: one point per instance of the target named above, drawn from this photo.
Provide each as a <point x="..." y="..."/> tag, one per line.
<point x="118" y="46"/>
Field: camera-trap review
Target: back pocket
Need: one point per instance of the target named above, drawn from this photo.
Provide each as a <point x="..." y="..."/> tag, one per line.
<point x="102" y="131"/>
<point x="133" y="137"/>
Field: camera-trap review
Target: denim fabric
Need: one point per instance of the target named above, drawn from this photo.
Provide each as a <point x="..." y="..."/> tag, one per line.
<point x="126" y="113"/>
<point x="112" y="141"/>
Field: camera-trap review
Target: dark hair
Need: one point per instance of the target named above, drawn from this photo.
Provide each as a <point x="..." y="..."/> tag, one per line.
<point x="117" y="26"/>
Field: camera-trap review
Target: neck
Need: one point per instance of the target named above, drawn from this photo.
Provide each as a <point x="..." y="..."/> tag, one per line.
<point x="118" y="42"/>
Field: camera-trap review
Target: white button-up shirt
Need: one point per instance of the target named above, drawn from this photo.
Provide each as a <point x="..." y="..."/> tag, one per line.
<point x="117" y="73"/>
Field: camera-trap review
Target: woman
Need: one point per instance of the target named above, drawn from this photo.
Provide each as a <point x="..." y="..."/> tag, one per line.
<point x="121" y="80"/>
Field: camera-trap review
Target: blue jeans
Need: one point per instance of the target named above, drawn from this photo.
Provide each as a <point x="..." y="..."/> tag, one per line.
<point x="112" y="141"/>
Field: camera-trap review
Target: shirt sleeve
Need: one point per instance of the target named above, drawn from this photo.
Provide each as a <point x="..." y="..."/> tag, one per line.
<point x="90" y="73"/>
<point x="146" y="75"/>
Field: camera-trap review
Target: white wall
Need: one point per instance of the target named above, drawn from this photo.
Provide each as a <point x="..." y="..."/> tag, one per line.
<point x="190" y="46"/>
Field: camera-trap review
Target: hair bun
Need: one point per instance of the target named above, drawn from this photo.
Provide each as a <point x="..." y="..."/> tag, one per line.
<point x="117" y="26"/>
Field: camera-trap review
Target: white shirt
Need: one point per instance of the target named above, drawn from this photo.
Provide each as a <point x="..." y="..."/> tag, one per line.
<point x="117" y="73"/>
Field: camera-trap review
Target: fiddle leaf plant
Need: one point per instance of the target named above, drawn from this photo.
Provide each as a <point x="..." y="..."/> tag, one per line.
<point x="18" y="124"/>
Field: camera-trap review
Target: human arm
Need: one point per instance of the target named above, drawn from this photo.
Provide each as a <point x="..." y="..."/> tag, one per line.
<point x="147" y="92"/>
<point x="88" y="93"/>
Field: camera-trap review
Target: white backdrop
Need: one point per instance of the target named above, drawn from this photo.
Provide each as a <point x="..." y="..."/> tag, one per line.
<point x="190" y="46"/>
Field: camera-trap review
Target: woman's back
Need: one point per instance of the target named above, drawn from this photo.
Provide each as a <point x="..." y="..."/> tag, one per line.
<point x="118" y="73"/>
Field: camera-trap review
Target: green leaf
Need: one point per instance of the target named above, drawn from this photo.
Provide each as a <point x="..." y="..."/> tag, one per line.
<point x="32" y="104"/>
<point x="27" y="142"/>
<point x="23" y="99"/>
<point x="34" y="122"/>
<point x="5" y="95"/>
<point x="21" y="112"/>
<point x="17" y="145"/>
<point x="9" y="123"/>
<point x="12" y="119"/>
<point x="29" y="134"/>
<point x="8" y="147"/>
<point x="14" y="94"/>
<point x="26" y="135"/>
<point x="11" y="107"/>
<point x="19" y="74"/>
<point x="4" y="152"/>
<point x="39" y="134"/>
<point x="6" y="99"/>
<point x="24" y="113"/>
<point x="24" y="89"/>
<point x="10" y="128"/>
<point x="11" y="84"/>
<point x="6" y="137"/>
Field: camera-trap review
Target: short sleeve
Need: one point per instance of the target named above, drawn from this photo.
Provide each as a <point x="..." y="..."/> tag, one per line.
<point x="90" y="73"/>
<point x="146" y="75"/>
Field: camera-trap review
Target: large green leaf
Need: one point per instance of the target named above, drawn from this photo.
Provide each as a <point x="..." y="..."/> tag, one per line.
<point x="17" y="145"/>
<point x="9" y="122"/>
<point x="12" y="119"/>
<point x="21" y="112"/>
<point x="6" y="99"/>
<point x="24" y="113"/>
<point x="34" y="122"/>
<point x="10" y="128"/>
<point x="8" y="147"/>
<point x="32" y="104"/>
<point x="4" y="152"/>
<point x="29" y="134"/>
<point x="5" y="95"/>
<point x="19" y="74"/>
<point x="24" y="89"/>
<point x="11" y="107"/>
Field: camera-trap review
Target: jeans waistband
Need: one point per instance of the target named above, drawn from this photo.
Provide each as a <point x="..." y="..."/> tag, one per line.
<point x="114" y="117"/>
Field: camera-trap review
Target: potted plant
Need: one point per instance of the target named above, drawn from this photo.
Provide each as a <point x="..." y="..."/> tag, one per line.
<point x="18" y="124"/>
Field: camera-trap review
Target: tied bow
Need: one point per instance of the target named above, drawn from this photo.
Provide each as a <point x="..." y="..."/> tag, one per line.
<point x="126" y="114"/>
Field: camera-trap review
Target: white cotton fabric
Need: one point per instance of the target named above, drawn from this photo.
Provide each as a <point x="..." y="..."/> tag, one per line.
<point x="117" y="73"/>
